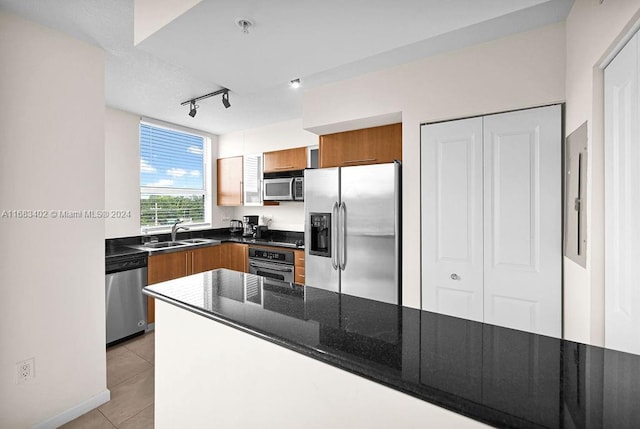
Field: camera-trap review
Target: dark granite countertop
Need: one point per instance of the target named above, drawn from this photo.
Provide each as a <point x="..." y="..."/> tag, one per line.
<point x="500" y="376"/>
<point x="275" y="238"/>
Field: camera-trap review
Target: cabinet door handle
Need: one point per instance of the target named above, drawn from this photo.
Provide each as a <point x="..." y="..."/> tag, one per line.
<point x="454" y="276"/>
<point x="284" y="167"/>
<point x="353" y="161"/>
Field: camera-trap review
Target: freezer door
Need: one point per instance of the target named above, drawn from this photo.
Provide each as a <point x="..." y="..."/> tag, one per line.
<point x="370" y="227"/>
<point x="321" y="196"/>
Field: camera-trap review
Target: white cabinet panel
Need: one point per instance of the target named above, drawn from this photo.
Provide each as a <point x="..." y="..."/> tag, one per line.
<point x="622" y="201"/>
<point x="452" y="218"/>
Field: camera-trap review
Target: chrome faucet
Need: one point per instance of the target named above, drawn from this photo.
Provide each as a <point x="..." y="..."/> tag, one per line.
<point x="175" y="228"/>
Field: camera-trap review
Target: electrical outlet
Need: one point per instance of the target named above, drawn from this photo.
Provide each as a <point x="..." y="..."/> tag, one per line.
<point x="25" y="371"/>
<point x="226" y="218"/>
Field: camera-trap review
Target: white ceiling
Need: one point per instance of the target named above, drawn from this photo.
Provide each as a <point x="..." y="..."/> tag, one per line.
<point x="317" y="41"/>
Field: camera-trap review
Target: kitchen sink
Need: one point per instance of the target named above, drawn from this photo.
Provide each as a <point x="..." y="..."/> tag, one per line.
<point x="195" y="241"/>
<point x="165" y="244"/>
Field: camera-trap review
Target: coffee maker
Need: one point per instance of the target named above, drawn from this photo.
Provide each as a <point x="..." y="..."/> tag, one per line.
<point x="248" y="223"/>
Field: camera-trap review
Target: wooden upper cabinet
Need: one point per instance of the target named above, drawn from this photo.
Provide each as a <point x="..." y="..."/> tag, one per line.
<point x="377" y="145"/>
<point x="285" y="160"/>
<point x="230" y="181"/>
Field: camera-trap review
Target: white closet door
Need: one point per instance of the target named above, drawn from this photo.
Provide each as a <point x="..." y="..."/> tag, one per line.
<point x="452" y="218"/>
<point x="622" y="201"/>
<point x="522" y="220"/>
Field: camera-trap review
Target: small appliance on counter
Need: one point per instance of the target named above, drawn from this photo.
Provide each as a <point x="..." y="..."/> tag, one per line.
<point x="249" y="222"/>
<point x="235" y="226"/>
<point x="261" y="231"/>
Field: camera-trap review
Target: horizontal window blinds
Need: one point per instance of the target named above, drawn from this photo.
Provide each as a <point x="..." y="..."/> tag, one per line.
<point x="170" y="159"/>
<point x="172" y="185"/>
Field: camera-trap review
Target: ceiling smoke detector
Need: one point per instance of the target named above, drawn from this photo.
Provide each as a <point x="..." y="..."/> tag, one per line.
<point x="244" y="24"/>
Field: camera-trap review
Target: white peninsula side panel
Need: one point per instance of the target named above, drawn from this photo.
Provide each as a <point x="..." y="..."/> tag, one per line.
<point x="212" y="375"/>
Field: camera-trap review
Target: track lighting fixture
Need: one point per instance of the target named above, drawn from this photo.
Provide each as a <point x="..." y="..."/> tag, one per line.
<point x="193" y="106"/>
<point x="295" y="83"/>
<point x="225" y="100"/>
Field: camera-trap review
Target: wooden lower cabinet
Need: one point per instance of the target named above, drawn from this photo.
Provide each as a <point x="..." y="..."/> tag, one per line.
<point x="235" y="256"/>
<point x="299" y="267"/>
<point x="168" y="266"/>
<point x="206" y="259"/>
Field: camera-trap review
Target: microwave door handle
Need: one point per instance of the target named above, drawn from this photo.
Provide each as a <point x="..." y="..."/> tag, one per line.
<point x="334" y="236"/>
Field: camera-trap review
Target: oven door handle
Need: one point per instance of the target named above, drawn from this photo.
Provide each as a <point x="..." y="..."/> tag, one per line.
<point x="270" y="267"/>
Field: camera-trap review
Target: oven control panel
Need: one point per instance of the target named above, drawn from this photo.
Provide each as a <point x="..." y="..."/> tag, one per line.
<point x="284" y="257"/>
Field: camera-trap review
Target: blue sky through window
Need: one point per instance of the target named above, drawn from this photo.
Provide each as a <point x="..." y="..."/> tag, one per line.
<point x="170" y="159"/>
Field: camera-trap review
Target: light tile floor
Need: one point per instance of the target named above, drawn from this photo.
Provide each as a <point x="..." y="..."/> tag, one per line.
<point x="130" y="378"/>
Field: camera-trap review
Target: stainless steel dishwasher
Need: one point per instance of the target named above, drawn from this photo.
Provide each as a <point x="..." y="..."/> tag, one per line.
<point x="126" y="306"/>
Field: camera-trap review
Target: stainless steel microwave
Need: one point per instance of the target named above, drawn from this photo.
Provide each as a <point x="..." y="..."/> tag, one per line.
<point x="284" y="189"/>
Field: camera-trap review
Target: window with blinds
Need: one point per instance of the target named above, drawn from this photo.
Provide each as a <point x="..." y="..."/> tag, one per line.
<point x="172" y="177"/>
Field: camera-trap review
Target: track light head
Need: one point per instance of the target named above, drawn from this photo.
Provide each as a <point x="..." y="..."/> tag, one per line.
<point x="225" y="100"/>
<point x="193" y="109"/>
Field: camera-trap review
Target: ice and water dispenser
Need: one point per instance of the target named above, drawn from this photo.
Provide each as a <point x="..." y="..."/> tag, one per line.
<point x="320" y="234"/>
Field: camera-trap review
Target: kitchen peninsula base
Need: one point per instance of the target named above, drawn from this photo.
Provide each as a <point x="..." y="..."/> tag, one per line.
<point x="209" y="374"/>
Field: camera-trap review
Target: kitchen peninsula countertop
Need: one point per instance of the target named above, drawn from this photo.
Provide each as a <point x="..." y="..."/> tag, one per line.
<point x="499" y="376"/>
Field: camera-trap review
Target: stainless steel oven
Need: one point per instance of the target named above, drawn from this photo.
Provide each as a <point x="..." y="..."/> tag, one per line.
<point x="273" y="264"/>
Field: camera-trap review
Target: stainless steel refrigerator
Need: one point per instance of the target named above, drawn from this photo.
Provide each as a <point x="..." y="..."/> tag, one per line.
<point x="353" y="230"/>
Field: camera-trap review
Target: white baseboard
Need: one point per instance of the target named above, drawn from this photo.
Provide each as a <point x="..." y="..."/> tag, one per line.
<point x="76" y="411"/>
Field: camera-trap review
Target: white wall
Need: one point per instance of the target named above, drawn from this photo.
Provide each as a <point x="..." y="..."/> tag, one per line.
<point x="593" y="31"/>
<point x="523" y="70"/>
<point x="122" y="172"/>
<point x="52" y="275"/>
<point x="282" y="135"/>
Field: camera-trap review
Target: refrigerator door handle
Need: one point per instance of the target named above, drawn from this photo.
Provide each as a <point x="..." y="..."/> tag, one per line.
<point x="343" y="235"/>
<point x="334" y="236"/>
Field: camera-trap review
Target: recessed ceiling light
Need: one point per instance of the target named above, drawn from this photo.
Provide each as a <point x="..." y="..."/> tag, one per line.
<point x="244" y="24"/>
<point x="295" y="83"/>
